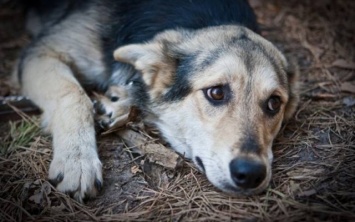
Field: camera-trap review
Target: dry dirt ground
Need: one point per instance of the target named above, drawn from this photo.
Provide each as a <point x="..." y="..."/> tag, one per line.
<point x="314" y="167"/>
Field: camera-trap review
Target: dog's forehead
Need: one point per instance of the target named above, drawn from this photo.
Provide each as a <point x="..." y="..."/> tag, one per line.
<point x="233" y="68"/>
<point x="236" y="52"/>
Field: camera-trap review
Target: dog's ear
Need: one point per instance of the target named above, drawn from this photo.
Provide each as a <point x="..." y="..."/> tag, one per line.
<point x="151" y="59"/>
<point x="144" y="57"/>
<point x="292" y="72"/>
<point x="155" y="60"/>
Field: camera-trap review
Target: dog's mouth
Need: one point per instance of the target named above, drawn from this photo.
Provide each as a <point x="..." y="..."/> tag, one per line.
<point x="236" y="191"/>
<point x="227" y="187"/>
<point x="200" y="164"/>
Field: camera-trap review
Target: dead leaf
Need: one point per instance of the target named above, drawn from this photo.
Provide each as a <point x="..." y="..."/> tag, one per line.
<point x="255" y="3"/>
<point x="341" y="63"/>
<point x="46" y="150"/>
<point x="155" y="175"/>
<point x="303" y="174"/>
<point x="37" y="197"/>
<point x="58" y="209"/>
<point x="316" y="51"/>
<point x="348" y="87"/>
<point x="294" y="186"/>
<point x="42" y="190"/>
<point x="156" y="152"/>
<point x="5" y="90"/>
<point x="322" y="96"/>
<point x="135" y="170"/>
<point x="307" y="193"/>
<point x="132" y="138"/>
<point x="349" y="101"/>
<point x="46" y="188"/>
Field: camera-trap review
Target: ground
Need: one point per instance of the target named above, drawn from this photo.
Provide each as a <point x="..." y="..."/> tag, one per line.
<point x="314" y="167"/>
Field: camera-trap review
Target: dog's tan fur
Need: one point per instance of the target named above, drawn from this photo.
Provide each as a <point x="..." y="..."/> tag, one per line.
<point x="54" y="70"/>
<point x="50" y="78"/>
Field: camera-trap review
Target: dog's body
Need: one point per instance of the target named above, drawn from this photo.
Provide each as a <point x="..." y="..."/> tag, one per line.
<point x="216" y="90"/>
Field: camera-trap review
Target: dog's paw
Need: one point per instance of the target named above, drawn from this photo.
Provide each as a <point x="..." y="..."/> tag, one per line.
<point x="112" y="110"/>
<point x="79" y="175"/>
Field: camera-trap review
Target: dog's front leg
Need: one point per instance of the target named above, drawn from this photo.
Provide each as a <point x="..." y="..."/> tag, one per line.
<point x="113" y="109"/>
<point x="68" y="115"/>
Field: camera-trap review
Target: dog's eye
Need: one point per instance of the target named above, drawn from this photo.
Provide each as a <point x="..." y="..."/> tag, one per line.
<point x="273" y="104"/>
<point x="218" y="95"/>
<point x="114" y="98"/>
<point x="215" y="93"/>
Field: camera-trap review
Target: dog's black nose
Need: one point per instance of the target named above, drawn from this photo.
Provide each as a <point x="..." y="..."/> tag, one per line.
<point x="247" y="173"/>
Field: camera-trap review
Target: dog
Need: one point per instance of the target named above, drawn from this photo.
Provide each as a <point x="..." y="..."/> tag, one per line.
<point x="198" y="70"/>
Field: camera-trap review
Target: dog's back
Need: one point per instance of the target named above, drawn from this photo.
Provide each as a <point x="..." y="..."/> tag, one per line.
<point x="135" y="21"/>
<point x="138" y="21"/>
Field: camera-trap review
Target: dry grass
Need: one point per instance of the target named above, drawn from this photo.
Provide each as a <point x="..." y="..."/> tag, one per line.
<point x="314" y="168"/>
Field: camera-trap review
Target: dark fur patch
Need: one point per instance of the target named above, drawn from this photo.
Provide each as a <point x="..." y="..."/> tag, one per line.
<point x="50" y="14"/>
<point x="136" y="21"/>
<point x="250" y="144"/>
<point x="181" y="87"/>
<point x="211" y="58"/>
<point x="53" y="12"/>
<point x="139" y="93"/>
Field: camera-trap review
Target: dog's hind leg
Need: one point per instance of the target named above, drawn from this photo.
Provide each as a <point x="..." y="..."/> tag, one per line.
<point x="68" y="115"/>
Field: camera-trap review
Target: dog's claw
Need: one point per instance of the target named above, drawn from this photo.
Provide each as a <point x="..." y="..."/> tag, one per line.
<point x="57" y="180"/>
<point x="99" y="108"/>
<point x="98" y="184"/>
<point x="113" y="109"/>
<point x="76" y="176"/>
<point x="70" y="194"/>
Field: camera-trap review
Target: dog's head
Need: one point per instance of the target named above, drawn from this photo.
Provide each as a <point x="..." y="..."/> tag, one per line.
<point x="218" y="96"/>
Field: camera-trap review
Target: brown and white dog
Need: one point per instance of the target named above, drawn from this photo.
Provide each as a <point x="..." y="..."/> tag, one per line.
<point x="199" y="71"/>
